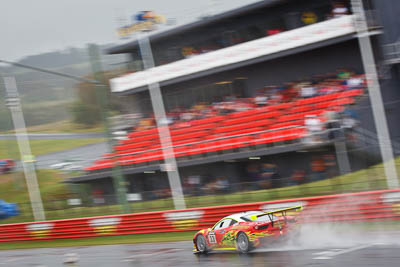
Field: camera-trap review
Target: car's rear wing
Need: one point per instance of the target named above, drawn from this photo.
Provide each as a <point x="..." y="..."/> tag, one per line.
<point x="283" y="211"/>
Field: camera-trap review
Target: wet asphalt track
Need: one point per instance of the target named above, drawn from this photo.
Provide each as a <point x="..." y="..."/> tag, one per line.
<point x="180" y="254"/>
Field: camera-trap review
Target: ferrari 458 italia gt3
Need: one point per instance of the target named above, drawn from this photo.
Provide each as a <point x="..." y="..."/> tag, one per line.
<point x="245" y="231"/>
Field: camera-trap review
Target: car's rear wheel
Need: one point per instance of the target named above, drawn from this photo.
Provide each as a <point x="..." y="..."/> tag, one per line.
<point x="201" y="244"/>
<point x="242" y="243"/>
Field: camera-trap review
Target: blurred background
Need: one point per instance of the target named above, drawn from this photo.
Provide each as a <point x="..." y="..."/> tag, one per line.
<point x="134" y="107"/>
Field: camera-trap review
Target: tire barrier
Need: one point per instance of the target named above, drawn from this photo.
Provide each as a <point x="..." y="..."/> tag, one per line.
<point x="365" y="206"/>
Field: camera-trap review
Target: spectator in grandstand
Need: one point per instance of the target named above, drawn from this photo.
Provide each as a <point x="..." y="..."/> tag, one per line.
<point x="327" y="87"/>
<point x="186" y="116"/>
<point x="339" y="9"/>
<point x="167" y="120"/>
<point x="343" y="74"/>
<point x="298" y="177"/>
<point x="355" y="82"/>
<point x="162" y="193"/>
<point x="330" y="164"/>
<point x="221" y="185"/>
<point x="145" y="124"/>
<point x="318" y="169"/>
<point x="211" y="187"/>
<point x="275" y="96"/>
<point x="98" y="196"/>
<point x="269" y="176"/>
<point x="349" y="122"/>
<point x="194" y="184"/>
<point x="289" y="92"/>
<point x="314" y="127"/>
<point x="261" y="99"/>
<point x="332" y="123"/>
<point x="307" y="90"/>
<point x="242" y="104"/>
<point x="253" y="176"/>
<point x="267" y="171"/>
<point x="273" y="31"/>
<point x="187" y="190"/>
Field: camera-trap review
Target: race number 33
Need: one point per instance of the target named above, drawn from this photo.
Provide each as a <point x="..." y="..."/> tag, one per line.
<point x="211" y="238"/>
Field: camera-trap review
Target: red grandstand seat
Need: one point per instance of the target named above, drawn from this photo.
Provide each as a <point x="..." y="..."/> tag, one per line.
<point x="185" y="141"/>
<point x="126" y="160"/>
<point x="243" y="126"/>
<point x="153" y="136"/>
<point x="246" y="119"/>
<point x="134" y="145"/>
<point x="345" y="101"/>
<point x="207" y="120"/>
<point x="286" y="124"/>
<point x="189" y="135"/>
<point x="279" y="135"/>
<point x="353" y="92"/>
<point x="281" y="106"/>
<point x="249" y="112"/>
<point x="299" y="109"/>
<point x="141" y="133"/>
<point x="244" y="131"/>
<point x="193" y="129"/>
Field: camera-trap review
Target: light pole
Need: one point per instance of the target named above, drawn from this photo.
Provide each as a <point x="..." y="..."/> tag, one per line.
<point x="163" y="130"/>
<point x="116" y="171"/>
<point x="101" y="95"/>
<point x="378" y="110"/>
<point x="13" y="102"/>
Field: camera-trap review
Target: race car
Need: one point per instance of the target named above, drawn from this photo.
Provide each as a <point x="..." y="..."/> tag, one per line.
<point x="245" y="231"/>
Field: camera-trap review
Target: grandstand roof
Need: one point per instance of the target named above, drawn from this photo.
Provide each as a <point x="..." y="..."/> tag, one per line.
<point x="126" y="48"/>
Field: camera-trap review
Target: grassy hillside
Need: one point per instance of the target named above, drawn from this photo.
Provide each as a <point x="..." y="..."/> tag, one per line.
<point x="64" y="126"/>
<point x="9" y="148"/>
<point x="13" y="188"/>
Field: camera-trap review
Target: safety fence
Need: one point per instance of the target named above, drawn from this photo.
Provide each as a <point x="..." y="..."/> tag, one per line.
<point x="365" y="206"/>
<point x="86" y="204"/>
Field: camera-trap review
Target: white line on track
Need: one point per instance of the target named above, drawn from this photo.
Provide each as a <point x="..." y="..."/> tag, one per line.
<point x="329" y="254"/>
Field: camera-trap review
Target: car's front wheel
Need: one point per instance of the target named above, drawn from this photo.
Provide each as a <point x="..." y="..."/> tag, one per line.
<point x="242" y="243"/>
<point x="201" y="244"/>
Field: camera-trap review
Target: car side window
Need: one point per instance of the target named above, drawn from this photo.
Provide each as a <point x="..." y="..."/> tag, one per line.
<point x="233" y="222"/>
<point x="223" y="224"/>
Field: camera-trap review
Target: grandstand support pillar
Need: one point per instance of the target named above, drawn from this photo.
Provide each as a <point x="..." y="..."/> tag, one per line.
<point x="101" y="97"/>
<point x="13" y="102"/>
<point x="170" y="166"/>
<point x="367" y="56"/>
<point x="342" y="157"/>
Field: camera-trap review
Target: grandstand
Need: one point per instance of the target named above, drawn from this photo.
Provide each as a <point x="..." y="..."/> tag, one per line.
<point x="236" y="87"/>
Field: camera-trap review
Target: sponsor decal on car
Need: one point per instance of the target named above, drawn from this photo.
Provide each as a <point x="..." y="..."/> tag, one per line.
<point x="229" y="239"/>
<point x="105" y="226"/>
<point x="39" y="230"/>
<point x="184" y="219"/>
<point x="212" y="238"/>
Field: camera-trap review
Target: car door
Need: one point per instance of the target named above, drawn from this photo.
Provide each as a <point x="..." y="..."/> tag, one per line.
<point x="219" y="232"/>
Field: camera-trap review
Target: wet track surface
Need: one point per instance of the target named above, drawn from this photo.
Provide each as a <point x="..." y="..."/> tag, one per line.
<point x="180" y="254"/>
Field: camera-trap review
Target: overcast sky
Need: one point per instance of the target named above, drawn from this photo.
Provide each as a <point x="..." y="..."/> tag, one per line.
<point x="36" y="26"/>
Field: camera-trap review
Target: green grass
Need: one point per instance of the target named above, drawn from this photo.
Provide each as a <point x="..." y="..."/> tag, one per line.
<point x="107" y="240"/>
<point x="64" y="126"/>
<point x="13" y="187"/>
<point x="9" y="148"/>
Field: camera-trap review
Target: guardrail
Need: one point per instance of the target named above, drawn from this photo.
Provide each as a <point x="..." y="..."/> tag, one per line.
<point x="365" y="206"/>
